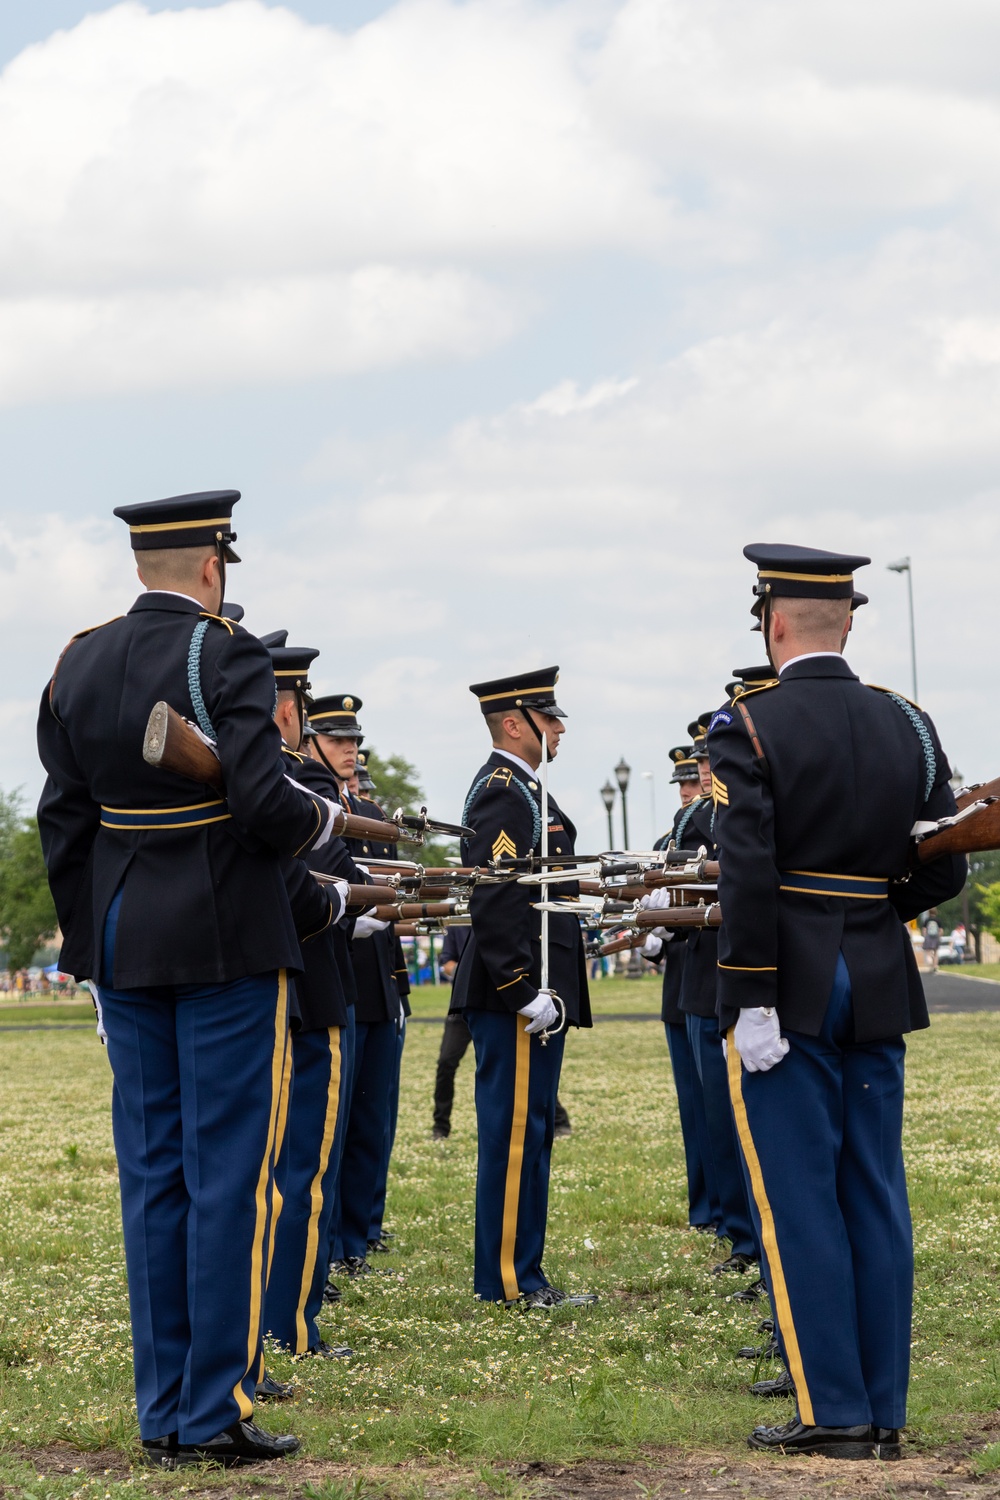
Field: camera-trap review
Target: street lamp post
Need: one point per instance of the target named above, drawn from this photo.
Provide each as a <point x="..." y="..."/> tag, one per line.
<point x="608" y="798"/>
<point x="622" y="773"/>
<point x="905" y="566"/>
<point x="648" y="776"/>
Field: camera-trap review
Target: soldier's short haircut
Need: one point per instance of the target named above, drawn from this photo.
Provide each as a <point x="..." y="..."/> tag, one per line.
<point x="494" y="723"/>
<point x="815" y="617"/>
<point x="177" y="568"/>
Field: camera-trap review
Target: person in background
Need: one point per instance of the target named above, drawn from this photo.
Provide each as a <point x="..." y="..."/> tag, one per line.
<point x="932" y="940"/>
<point x="958" y="941"/>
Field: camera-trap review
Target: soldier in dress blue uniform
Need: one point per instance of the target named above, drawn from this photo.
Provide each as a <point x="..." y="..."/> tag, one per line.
<point x="171" y="899"/>
<point x="320" y="1058"/>
<point x="335" y="737"/>
<point x="696" y="1001"/>
<point x="818" y="782"/>
<point x="668" y="948"/>
<point x="378" y="1237"/>
<point x="498" y="989"/>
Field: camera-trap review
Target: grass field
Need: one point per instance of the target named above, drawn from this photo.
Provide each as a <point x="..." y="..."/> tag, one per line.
<point x="445" y="1396"/>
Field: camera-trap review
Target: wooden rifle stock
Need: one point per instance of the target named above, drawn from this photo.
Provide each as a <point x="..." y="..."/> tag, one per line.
<point x="361" y="897"/>
<point x="970" y="794"/>
<point x="350" y="826"/>
<point x="412" y="911"/>
<point x="979" y="831"/>
<point x="708" y="872"/>
<point x="678" y="897"/>
<point x="170" y="744"/>
<point x="681" y="916"/>
<point x="622" y="944"/>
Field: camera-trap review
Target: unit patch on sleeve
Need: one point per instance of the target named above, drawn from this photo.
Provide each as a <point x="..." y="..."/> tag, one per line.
<point x="722" y="717"/>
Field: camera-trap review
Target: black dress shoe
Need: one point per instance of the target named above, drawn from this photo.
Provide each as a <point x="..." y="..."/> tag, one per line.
<point x="243" y="1443"/>
<point x="551" y="1296"/>
<point x="439" y="1133"/>
<point x="703" y="1228"/>
<point x="561" y="1131"/>
<point x="887" y="1442"/>
<point x="766" y="1325"/>
<point x="769" y="1350"/>
<point x="831" y="1442"/>
<point x="323" y="1350"/>
<point x="379" y="1247"/>
<point x="160" y="1453"/>
<point x="738" y="1263"/>
<point x="352" y="1265"/>
<point x="332" y="1292"/>
<point x="755" y="1292"/>
<point x="269" y="1389"/>
<point x="781" y="1385"/>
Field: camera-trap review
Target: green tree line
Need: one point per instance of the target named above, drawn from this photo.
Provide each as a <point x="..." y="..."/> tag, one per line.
<point x="27" y="913"/>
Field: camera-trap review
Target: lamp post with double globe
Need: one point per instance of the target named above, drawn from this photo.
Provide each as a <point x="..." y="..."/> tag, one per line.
<point x="622" y="773"/>
<point x="608" y="798"/>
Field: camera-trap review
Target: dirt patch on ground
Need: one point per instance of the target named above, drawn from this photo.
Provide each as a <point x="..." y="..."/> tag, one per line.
<point x="663" y="1474"/>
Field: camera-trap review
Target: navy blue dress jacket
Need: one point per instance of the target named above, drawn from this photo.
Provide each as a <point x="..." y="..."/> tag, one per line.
<point x="698" y="986"/>
<point x="320" y="995"/>
<point x="500" y="968"/>
<point x="204" y="900"/>
<point x="844" y="773"/>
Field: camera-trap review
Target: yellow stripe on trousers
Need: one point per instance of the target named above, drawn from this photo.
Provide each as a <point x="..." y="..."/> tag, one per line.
<point x="777" y="1288"/>
<point x="243" y="1402"/>
<point x="515" y="1160"/>
<point x="316" y="1191"/>
<point x="277" y="1201"/>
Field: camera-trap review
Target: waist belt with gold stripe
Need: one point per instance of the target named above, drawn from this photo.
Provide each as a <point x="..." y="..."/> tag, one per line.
<point x="141" y="819"/>
<point x="819" y="883"/>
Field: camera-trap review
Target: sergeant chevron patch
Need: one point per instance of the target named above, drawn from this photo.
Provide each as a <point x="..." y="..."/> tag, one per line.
<point x="504" y="844"/>
<point x="720" y="792"/>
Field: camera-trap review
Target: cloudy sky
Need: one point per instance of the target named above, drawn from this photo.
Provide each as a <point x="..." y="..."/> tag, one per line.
<point x="513" y="321"/>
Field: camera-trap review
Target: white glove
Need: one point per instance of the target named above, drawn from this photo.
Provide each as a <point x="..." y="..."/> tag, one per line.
<point x="337" y="890"/>
<point x="653" y="946"/>
<point x="758" y="1038"/>
<point x="541" y="1012"/>
<point x="365" y="926"/>
<point x="95" y="996"/>
<point x="656" y="901"/>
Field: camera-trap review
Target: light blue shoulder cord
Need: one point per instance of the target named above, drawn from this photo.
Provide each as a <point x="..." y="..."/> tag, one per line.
<point x="536" y="816"/>
<point x="682" y="823"/>
<point x="194" y="679"/>
<point x="924" y="736"/>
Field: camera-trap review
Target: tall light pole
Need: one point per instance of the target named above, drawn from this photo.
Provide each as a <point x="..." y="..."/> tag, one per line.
<point x="648" y="776"/>
<point x="608" y="798"/>
<point x="904" y="566"/>
<point x="622" y="773"/>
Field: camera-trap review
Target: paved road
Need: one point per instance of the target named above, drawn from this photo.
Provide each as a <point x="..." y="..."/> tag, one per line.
<point x="947" y="991"/>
